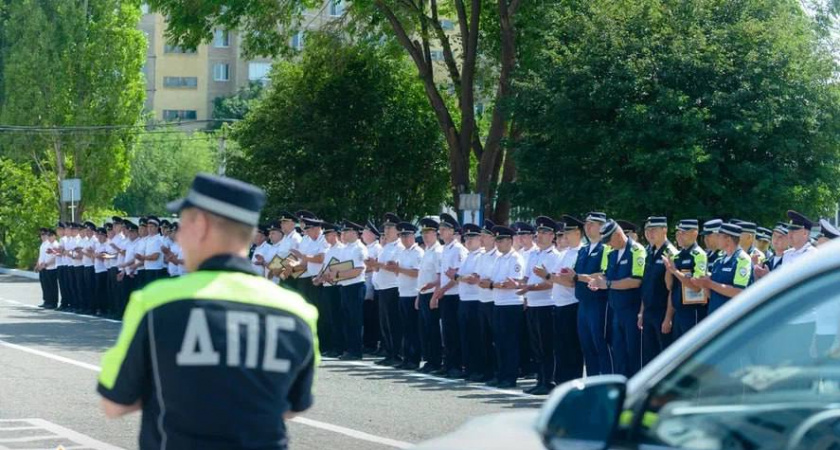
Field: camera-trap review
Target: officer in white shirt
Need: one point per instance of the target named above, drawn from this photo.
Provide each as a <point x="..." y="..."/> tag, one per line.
<point x="428" y="279"/>
<point x="568" y="355"/>
<point x="310" y="253"/>
<point x="127" y="276"/>
<point x="523" y="243"/>
<point x="75" y="250"/>
<point x="47" y="269"/>
<point x="261" y="245"/>
<point x="330" y="325"/>
<point x="406" y="268"/>
<point x="539" y="315"/>
<point x="374" y="316"/>
<point x="469" y="308"/>
<point x="139" y="266"/>
<point x="507" y="277"/>
<point x="484" y="270"/>
<point x="291" y="240"/>
<point x="153" y="256"/>
<point x="88" y="244"/>
<point x="100" y="304"/>
<point x="797" y="338"/>
<point x="351" y="284"/>
<point x="114" y="230"/>
<point x="275" y="236"/>
<point x="446" y="295"/>
<point x="61" y="265"/>
<point x="388" y="293"/>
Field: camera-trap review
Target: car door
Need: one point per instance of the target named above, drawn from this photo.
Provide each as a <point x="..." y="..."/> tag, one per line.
<point x="770" y="381"/>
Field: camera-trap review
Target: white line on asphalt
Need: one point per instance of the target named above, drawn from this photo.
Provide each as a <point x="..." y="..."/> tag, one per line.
<point x="26" y="305"/>
<point x="50" y="356"/>
<point x="83" y="440"/>
<point x="352" y="433"/>
<point x="301" y="420"/>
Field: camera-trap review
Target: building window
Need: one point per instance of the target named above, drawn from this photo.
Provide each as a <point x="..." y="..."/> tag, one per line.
<point x="447" y="24"/>
<point x="177" y="49"/>
<point x="337" y="8"/>
<point x="179" y="114"/>
<point x="144" y="8"/>
<point x="221" y="72"/>
<point x="258" y="71"/>
<point x="180" y="82"/>
<point x="297" y="41"/>
<point x="221" y="39"/>
<point x="437" y="55"/>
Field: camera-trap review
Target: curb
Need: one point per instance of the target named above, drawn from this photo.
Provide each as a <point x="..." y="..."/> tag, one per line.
<point x="19" y="273"/>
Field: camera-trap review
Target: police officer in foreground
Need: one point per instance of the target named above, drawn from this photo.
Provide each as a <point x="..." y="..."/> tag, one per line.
<point x="215" y="359"/>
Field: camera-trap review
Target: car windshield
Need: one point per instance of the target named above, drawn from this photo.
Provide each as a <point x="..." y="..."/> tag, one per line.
<point x="768" y="379"/>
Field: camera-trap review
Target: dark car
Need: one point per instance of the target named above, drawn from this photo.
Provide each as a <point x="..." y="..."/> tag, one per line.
<point x="762" y="372"/>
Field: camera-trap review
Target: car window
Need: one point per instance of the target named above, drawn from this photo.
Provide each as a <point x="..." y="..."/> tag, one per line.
<point x="755" y="385"/>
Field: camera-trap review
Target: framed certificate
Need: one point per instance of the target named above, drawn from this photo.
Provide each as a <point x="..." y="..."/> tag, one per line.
<point x="693" y="296"/>
<point x="276" y="263"/>
<point x="341" y="267"/>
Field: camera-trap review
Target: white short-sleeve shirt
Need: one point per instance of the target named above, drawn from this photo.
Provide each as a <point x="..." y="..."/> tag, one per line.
<point x="540" y="258"/>
<point x="508" y="265"/>
<point x="409" y="258"/>
<point x="430" y="267"/>
<point x="312" y="247"/>
<point x="486" y="265"/>
<point x="100" y="265"/>
<point x="153" y="245"/>
<point x="383" y="279"/>
<point x="469" y="292"/>
<point x="356" y="252"/>
<point x="563" y="295"/>
<point x="451" y="257"/>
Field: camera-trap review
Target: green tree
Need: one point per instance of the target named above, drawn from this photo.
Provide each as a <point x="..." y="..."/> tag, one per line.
<point x="686" y="108"/>
<point x="163" y="167"/>
<point x="238" y="105"/>
<point x="476" y="61"/>
<point x="346" y="132"/>
<point x="27" y="202"/>
<point x="73" y="64"/>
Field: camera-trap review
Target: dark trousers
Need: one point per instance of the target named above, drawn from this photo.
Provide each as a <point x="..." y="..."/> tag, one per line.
<point x="430" y="340"/>
<point x="469" y="326"/>
<point x="352" y="302"/>
<point x="153" y="275"/>
<point x="487" y="353"/>
<point x="333" y="326"/>
<point x="64" y="286"/>
<point x="392" y="327"/>
<point x="568" y="355"/>
<point x="308" y="290"/>
<point x="507" y="326"/>
<point x="381" y="308"/>
<point x="372" y="337"/>
<point x="41" y="279"/>
<point x="627" y="342"/>
<point x="50" y="286"/>
<point x="685" y="319"/>
<point x="594" y="328"/>
<point x="410" y="324"/>
<point x="113" y="302"/>
<point x="90" y="288"/>
<point x="129" y="285"/>
<point x="102" y="294"/>
<point x="653" y="340"/>
<point x="541" y="338"/>
<point x="79" y="287"/>
<point x="291" y="284"/>
<point x="451" y="335"/>
<point x="527" y="362"/>
<point x="139" y="281"/>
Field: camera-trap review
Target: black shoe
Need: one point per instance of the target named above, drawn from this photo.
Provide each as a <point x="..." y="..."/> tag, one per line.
<point x="381" y="353"/>
<point x="477" y="378"/>
<point x="49" y="307"/>
<point x="350" y="357"/>
<point x="334" y="354"/>
<point x="456" y="374"/>
<point x="409" y="366"/>
<point x="530" y="389"/>
<point x="492" y="382"/>
<point x="539" y="390"/>
<point x="439" y="372"/>
<point x="43" y="305"/>
<point x="529" y="376"/>
<point x="427" y="368"/>
<point x="395" y="362"/>
<point x="384" y="362"/>
<point x="506" y="385"/>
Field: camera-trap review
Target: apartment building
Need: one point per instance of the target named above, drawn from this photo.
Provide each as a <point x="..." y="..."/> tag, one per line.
<point x="182" y="84"/>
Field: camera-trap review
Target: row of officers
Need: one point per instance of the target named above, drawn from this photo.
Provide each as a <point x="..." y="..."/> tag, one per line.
<point x="485" y="303"/>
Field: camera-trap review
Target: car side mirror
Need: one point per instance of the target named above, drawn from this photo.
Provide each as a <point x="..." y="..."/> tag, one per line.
<point x="583" y="413"/>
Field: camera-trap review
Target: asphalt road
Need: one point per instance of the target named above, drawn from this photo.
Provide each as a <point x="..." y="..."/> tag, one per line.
<point x="49" y="362"/>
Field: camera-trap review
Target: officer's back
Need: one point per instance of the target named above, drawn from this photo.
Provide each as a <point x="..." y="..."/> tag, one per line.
<point x="215" y="359"/>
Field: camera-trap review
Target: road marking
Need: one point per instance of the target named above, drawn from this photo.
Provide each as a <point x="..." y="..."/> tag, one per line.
<point x="50" y="356"/>
<point x="352" y="433"/>
<point x="361" y="435"/>
<point x="27" y="305"/>
<point x="59" y="433"/>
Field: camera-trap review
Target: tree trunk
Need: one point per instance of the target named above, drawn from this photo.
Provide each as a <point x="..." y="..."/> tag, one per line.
<point x="60" y="172"/>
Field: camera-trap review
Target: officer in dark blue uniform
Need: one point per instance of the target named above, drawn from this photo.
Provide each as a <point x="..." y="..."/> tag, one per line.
<point x="218" y="358"/>
<point x="687" y="266"/>
<point x="711" y="237"/>
<point x="733" y="273"/>
<point x="594" y="317"/>
<point x="657" y="312"/>
<point x="623" y="280"/>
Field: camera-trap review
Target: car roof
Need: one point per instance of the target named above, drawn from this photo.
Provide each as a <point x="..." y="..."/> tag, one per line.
<point x="823" y="259"/>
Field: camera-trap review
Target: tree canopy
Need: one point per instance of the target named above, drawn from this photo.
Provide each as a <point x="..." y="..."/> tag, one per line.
<point x="344" y="130"/>
<point x="685" y="108"/>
